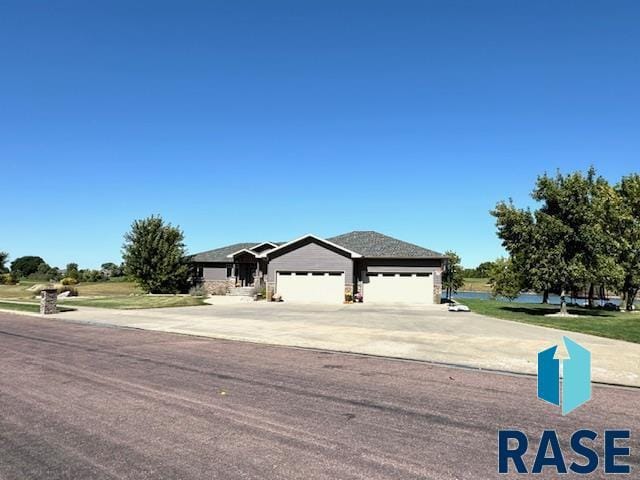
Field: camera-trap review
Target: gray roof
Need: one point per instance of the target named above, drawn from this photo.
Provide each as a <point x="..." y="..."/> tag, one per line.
<point x="369" y="244"/>
<point x="373" y="244"/>
<point x="220" y="254"/>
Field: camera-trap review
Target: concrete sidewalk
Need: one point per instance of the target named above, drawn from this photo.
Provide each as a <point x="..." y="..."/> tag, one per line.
<point x="418" y="333"/>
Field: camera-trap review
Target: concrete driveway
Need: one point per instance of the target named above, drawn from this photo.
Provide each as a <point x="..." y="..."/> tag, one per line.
<point x="428" y="333"/>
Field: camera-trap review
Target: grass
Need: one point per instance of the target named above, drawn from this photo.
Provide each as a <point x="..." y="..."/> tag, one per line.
<point x="107" y="289"/>
<point x="476" y="285"/>
<point x="603" y="323"/>
<point x="135" y="302"/>
<point x="16" y="291"/>
<point x="111" y="294"/>
<point x="28" y="307"/>
<point x="89" y="289"/>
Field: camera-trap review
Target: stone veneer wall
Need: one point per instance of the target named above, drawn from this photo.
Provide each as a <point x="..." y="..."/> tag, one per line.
<point x="218" y="287"/>
<point x="437" y="287"/>
<point x="48" y="301"/>
<point x="271" y="288"/>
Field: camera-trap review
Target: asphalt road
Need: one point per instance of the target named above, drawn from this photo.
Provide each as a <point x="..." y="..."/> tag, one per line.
<point x="90" y="402"/>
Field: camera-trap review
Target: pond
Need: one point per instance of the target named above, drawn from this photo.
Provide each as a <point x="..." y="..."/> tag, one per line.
<point x="526" y="298"/>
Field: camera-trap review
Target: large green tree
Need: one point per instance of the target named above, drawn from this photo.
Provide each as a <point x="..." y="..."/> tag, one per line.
<point x="625" y="223"/>
<point x="154" y="255"/>
<point x="452" y="277"/>
<point x="565" y="244"/>
<point x="25" y="266"/>
<point x="505" y="278"/>
<point x="72" y="271"/>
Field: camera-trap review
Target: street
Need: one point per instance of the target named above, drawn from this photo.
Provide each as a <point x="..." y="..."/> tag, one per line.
<point x="82" y="401"/>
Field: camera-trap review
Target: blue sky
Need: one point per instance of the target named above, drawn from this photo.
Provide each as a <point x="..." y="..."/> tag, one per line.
<point x="243" y="121"/>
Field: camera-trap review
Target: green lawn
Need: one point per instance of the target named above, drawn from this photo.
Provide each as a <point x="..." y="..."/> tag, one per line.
<point x="107" y="289"/>
<point x="28" y="307"/>
<point x="618" y="325"/>
<point x="135" y="302"/>
<point x="89" y="289"/>
<point x="476" y="285"/>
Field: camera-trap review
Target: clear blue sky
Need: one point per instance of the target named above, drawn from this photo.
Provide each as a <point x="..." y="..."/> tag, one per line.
<point x="243" y="121"/>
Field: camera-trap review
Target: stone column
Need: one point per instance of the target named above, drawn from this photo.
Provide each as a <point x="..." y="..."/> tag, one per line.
<point x="48" y="300"/>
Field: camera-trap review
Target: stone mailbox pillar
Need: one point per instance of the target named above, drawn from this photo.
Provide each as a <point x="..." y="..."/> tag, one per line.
<point x="48" y="300"/>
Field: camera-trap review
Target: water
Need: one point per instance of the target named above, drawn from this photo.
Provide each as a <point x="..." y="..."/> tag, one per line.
<point x="527" y="298"/>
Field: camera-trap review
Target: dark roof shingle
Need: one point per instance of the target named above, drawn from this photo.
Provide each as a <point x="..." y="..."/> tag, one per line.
<point x="220" y="254"/>
<point x="373" y="244"/>
<point x="367" y="243"/>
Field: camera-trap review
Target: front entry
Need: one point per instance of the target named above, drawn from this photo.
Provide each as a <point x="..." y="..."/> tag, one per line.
<point x="245" y="274"/>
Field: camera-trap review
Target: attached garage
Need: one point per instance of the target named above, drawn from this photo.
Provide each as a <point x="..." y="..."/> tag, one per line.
<point x="311" y="287"/>
<point x="415" y="288"/>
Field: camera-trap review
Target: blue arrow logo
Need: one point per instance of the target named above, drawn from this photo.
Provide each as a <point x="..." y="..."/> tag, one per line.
<point x="576" y="383"/>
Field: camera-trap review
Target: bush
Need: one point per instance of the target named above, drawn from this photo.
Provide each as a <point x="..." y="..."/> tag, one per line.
<point x="73" y="291"/>
<point x="69" y="281"/>
<point x="197" y="291"/>
<point x="8" y="279"/>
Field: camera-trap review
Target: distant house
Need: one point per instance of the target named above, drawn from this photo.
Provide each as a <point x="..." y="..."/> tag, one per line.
<point x="313" y="269"/>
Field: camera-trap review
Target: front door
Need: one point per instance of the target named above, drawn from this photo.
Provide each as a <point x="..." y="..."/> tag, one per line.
<point x="246" y="274"/>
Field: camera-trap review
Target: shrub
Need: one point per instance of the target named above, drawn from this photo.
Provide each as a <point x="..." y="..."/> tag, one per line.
<point x="197" y="291"/>
<point x="73" y="291"/>
<point x="8" y="279"/>
<point x="69" y="281"/>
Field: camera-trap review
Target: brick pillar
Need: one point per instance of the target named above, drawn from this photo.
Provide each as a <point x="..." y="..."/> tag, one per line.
<point x="48" y="301"/>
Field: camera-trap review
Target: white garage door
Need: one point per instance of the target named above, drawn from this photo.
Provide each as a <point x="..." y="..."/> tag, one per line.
<point x="320" y="287"/>
<point x="399" y="288"/>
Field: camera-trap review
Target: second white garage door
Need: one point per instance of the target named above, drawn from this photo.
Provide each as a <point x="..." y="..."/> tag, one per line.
<point x="399" y="288"/>
<point x="311" y="287"/>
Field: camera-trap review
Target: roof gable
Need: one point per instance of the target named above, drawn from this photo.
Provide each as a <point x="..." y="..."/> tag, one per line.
<point x="306" y="239"/>
<point x="220" y="254"/>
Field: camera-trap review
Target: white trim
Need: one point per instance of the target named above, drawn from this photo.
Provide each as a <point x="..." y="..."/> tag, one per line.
<point x="264" y="243"/>
<point x="231" y="255"/>
<point x="309" y="235"/>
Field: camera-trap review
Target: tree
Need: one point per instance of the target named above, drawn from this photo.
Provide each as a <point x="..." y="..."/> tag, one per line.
<point x="154" y="255"/>
<point x="110" y="269"/>
<point x="506" y="279"/>
<point x="3" y="262"/>
<point x="72" y="271"/>
<point x="25" y="266"/>
<point x="626" y="230"/>
<point x="564" y="244"/>
<point x="452" y="278"/>
<point x="483" y="269"/>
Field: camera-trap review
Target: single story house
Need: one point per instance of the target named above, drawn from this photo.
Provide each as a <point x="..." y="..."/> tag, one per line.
<point x="314" y="269"/>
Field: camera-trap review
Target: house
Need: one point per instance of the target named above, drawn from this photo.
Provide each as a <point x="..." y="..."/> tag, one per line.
<point x="314" y="269"/>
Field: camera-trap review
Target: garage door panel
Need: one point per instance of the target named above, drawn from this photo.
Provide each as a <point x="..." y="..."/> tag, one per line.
<point x="416" y="289"/>
<point x="316" y="287"/>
